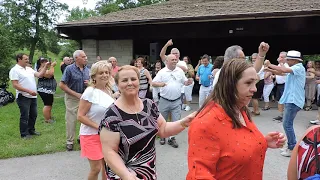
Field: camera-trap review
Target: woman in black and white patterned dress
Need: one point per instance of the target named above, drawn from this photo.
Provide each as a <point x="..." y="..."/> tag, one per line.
<point x="129" y="129"/>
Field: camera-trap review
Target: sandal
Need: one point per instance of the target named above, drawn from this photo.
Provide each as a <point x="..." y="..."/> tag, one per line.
<point x="50" y="121"/>
<point x="265" y="108"/>
<point x="308" y="108"/>
<point x="255" y="113"/>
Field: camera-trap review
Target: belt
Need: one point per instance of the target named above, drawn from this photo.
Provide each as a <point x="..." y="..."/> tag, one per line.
<point x="280" y="84"/>
<point x="205" y="86"/>
<point x="169" y="99"/>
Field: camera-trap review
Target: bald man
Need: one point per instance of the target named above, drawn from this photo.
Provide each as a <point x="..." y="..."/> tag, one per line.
<point x="170" y="80"/>
<point x="114" y="67"/>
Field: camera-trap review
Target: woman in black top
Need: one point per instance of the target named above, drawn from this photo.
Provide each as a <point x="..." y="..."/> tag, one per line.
<point x="46" y="88"/>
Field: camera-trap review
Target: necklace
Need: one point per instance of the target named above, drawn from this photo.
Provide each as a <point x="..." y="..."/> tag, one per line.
<point x="139" y="121"/>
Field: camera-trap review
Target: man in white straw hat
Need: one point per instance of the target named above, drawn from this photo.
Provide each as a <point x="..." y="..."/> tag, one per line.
<point x="293" y="96"/>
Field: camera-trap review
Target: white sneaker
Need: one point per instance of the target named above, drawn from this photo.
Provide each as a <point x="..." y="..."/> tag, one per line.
<point x="183" y="106"/>
<point x="188" y="108"/>
<point x="315" y="121"/>
<point x="283" y="149"/>
<point x="286" y="153"/>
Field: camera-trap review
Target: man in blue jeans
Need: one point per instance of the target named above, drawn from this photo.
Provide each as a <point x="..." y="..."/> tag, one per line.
<point x="22" y="78"/>
<point x="293" y="96"/>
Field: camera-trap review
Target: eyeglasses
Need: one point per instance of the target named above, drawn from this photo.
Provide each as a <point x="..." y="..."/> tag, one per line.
<point x="174" y="78"/>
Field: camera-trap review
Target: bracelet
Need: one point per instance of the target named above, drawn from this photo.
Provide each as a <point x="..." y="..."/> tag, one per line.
<point x="182" y="124"/>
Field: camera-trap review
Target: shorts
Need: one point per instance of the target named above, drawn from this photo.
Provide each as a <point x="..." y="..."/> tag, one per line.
<point x="46" y="98"/>
<point x="258" y="94"/>
<point x="280" y="90"/>
<point x="91" y="147"/>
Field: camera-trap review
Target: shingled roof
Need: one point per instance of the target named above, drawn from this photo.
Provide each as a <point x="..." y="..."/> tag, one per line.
<point x="205" y="10"/>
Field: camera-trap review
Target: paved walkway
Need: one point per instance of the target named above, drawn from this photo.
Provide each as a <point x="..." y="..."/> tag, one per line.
<point x="171" y="163"/>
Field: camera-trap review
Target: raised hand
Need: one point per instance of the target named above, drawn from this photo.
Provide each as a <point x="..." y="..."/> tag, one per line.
<point x="263" y="49"/>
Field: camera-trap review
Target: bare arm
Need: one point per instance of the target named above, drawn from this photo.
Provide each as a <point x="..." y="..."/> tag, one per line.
<point x="147" y="73"/>
<point x="110" y="145"/>
<point x="164" y="50"/>
<point x="262" y="51"/>
<point x="281" y="69"/>
<point x="18" y="87"/>
<point x="67" y="90"/>
<point x="167" y="129"/>
<point x="49" y="73"/>
<point x="158" y="84"/>
<point x="84" y="107"/>
<point x="312" y="75"/>
<point x="197" y="67"/>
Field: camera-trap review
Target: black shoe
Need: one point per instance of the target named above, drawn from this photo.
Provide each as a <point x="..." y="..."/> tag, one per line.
<point x="35" y="133"/>
<point x="172" y="142"/>
<point x="69" y="147"/>
<point x="78" y="140"/>
<point x="279" y="118"/>
<point x="163" y="141"/>
<point x="26" y="137"/>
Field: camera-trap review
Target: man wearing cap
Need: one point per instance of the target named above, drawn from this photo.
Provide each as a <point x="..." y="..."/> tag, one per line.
<point x="203" y="76"/>
<point x="293" y="96"/>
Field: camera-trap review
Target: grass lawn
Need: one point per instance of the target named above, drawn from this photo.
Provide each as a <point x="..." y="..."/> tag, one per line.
<point x="53" y="136"/>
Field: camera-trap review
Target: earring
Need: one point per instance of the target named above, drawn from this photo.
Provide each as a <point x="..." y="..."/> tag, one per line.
<point x="94" y="81"/>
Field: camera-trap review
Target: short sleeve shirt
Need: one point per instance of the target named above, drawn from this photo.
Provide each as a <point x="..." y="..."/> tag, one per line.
<point x="174" y="80"/>
<point x="25" y="77"/>
<point x="74" y="78"/>
<point x="294" y="88"/>
<point x="204" y="72"/>
<point x="100" y="101"/>
<point x="137" y="138"/>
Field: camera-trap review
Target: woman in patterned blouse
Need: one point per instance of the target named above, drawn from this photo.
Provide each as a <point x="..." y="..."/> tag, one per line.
<point x="224" y="143"/>
<point x="129" y="129"/>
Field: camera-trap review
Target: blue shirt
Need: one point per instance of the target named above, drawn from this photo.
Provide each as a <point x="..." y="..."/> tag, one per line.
<point x="294" y="86"/>
<point x="203" y="73"/>
<point x="74" y="78"/>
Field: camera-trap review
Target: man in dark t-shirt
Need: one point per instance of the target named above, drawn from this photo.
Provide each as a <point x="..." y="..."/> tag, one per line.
<point x="64" y="64"/>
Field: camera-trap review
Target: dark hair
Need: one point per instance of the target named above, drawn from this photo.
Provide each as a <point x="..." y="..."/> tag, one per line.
<point x="187" y="58"/>
<point x="39" y="62"/>
<point x="19" y="56"/>
<point x="225" y="91"/>
<point x="132" y="62"/>
<point x="206" y="56"/>
<point x="218" y="62"/>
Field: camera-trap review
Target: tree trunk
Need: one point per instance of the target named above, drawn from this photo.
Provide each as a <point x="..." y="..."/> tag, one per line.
<point x="32" y="49"/>
<point x="36" y="36"/>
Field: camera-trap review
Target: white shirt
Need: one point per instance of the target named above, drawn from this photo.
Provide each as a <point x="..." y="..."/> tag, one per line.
<point x="261" y="73"/>
<point x="100" y="101"/>
<point x="216" y="77"/>
<point x="182" y="63"/>
<point x="25" y="77"/>
<point x="174" y="81"/>
<point x="281" y="79"/>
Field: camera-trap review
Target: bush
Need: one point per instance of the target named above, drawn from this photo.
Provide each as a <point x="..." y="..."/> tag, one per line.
<point x="6" y="56"/>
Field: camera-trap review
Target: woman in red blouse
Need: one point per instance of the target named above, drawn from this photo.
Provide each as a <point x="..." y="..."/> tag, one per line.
<point x="224" y="143"/>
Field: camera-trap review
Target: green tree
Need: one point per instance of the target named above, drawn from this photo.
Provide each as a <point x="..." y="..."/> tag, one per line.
<point x="108" y="6"/>
<point x="79" y="13"/>
<point x="6" y="54"/>
<point x="31" y="20"/>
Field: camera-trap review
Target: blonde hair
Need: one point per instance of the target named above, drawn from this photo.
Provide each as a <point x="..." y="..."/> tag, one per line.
<point x="95" y="69"/>
<point x="126" y="67"/>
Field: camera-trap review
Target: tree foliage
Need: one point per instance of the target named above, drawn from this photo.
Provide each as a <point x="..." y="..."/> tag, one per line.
<point x="31" y="21"/>
<point x="80" y="13"/>
<point x="6" y="54"/>
<point x="108" y="6"/>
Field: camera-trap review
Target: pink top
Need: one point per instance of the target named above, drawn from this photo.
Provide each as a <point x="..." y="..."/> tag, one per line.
<point x="114" y="70"/>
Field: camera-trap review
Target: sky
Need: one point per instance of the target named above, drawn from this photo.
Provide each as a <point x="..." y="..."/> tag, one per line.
<point x="74" y="3"/>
